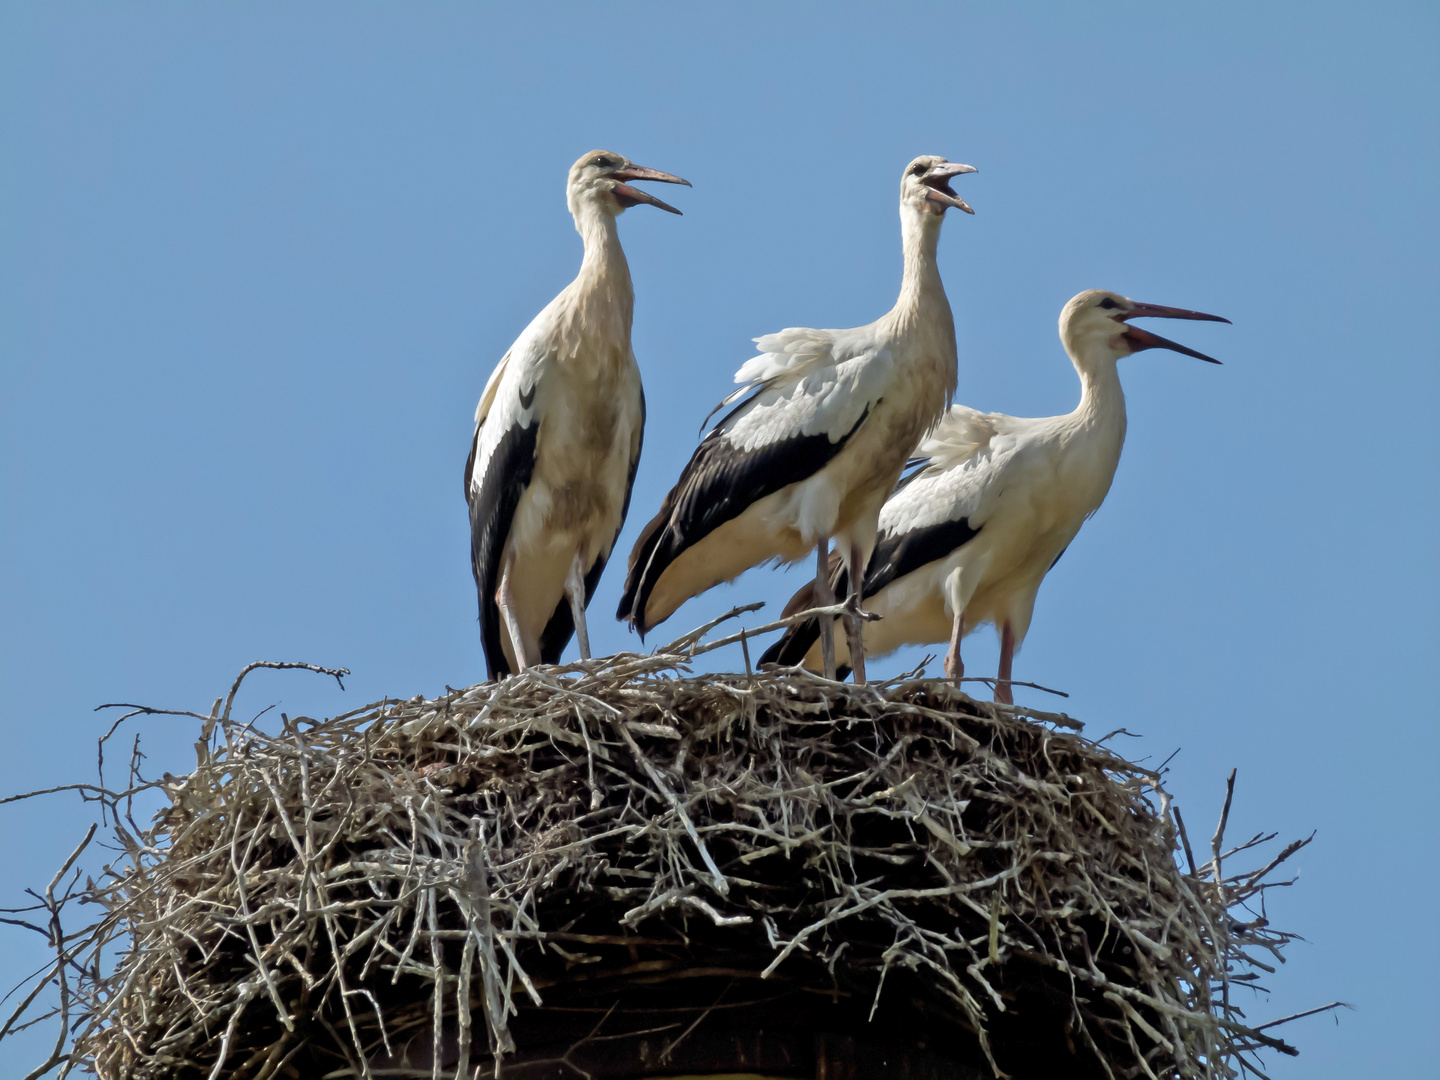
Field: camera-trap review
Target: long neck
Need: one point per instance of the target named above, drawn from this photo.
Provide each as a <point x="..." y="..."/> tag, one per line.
<point x="922" y="312"/>
<point x="604" y="279"/>
<point x="920" y="287"/>
<point x="1102" y="399"/>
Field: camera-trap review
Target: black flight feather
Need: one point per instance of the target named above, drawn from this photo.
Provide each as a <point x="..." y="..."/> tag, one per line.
<point x="898" y="554"/>
<point x="917" y="466"/>
<point x="792" y="646"/>
<point x="492" y="509"/>
<point x="1057" y="558"/>
<point x="716" y="486"/>
<point x="895" y="555"/>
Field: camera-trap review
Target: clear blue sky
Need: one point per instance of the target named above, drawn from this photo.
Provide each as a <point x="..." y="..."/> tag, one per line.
<point x="258" y="261"/>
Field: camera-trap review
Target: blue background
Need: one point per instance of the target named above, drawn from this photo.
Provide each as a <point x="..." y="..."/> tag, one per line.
<point x="259" y="260"/>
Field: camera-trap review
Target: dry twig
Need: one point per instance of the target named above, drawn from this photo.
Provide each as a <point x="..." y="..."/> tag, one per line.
<point x="342" y="900"/>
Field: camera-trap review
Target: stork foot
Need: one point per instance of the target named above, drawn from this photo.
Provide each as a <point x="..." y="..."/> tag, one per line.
<point x="855" y="641"/>
<point x="954" y="666"/>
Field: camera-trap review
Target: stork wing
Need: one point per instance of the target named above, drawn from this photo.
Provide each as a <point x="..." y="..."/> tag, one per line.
<point x="791" y="354"/>
<point x="501" y="462"/>
<point x="934" y="510"/>
<point x="943" y="504"/>
<point x="799" y="418"/>
<point x="961" y="433"/>
<point x="901" y="550"/>
<point x="928" y="517"/>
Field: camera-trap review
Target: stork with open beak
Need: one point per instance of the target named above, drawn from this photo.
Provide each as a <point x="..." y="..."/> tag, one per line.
<point x="811" y="455"/>
<point x="994" y="502"/>
<point x="557" y="438"/>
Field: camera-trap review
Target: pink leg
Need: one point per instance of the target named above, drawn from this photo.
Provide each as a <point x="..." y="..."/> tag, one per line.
<point x="505" y="601"/>
<point x="854" y="624"/>
<point x="824" y="597"/>
<point x="575" y="592"/>
<point x="954" y="666"/>
<point x="1007" y="657"/>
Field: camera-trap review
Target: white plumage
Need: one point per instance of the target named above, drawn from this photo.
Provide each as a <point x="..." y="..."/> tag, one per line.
<point x="812" y="454"/>
<point x="995" y="501"/>
<point x="557" y="439"/>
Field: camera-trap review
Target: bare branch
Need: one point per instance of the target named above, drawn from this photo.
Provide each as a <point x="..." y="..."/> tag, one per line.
<point x="279" y="665"/>
<point x="386" y="891"/>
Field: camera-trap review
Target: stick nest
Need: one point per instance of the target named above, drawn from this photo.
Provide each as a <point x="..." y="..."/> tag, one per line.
<point x="595" y="870"/>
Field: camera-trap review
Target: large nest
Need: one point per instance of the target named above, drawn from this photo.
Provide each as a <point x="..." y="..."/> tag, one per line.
<point x="609" y="870"/>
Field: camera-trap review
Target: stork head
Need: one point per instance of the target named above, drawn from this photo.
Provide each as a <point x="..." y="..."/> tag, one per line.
<point x="1095" y="325"/>
<point x="925" y="185"/>
<point x="602" y="179"/>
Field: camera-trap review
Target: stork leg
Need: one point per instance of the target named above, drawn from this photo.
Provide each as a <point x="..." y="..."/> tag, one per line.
<point x="575" y="590"/>
<point x="505" y="601"/>
<point x="854" y="624"/>
<point x="954" y="666"/>
<point x="1007" y="656"/>
<point x="824" y="597"/>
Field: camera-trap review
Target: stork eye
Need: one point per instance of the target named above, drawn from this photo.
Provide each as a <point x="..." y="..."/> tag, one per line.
<point x="918" y="170"/>
<point x="1107" y="303"/>
<point x="602" y="162"/>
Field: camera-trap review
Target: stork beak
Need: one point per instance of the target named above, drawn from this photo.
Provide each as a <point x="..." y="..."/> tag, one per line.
<point x="941" y="193"/>
<point x="1139" y="339"/>
<point x="629" y="196"/>
<point x="1160" y="311"/>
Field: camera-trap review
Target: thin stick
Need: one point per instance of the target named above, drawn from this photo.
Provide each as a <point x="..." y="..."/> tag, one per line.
<point x="988" y="681"/>
<point x="1307" y="1012"/>
<point x="62" y="959"/>
<point x="1184" y="839"/>
<point x="100" y="792"/>
<point x="721" y="885"/>
<point x="682" y="644"/>
<point x="832" y="610"/>
<point x="278" y="665"/>
<point x="1219" y="837"/>
<point x="743" y="818"/>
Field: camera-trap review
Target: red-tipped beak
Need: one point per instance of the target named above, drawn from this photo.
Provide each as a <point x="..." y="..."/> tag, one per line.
<point x="1139" y="339"/>
<point x="941" y="194"/>
<point x="629" y="196"/>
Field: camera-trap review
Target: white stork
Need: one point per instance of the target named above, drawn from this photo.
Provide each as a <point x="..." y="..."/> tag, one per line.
<point x="995" y="501"/>
<point x="813" y="453"/>
<point x="557" y="438"/>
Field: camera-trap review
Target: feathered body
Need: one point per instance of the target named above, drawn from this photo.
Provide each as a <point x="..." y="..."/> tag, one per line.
<point x="557" y="439"/>
<point x="817" y="447"/>
<point x="993" y="503"/>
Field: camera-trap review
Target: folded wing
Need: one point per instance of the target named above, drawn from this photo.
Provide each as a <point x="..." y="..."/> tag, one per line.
<point x="812" y="389"/>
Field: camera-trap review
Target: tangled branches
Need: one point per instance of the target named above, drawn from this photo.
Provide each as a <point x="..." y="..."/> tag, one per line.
<point x="607" y="869"/>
